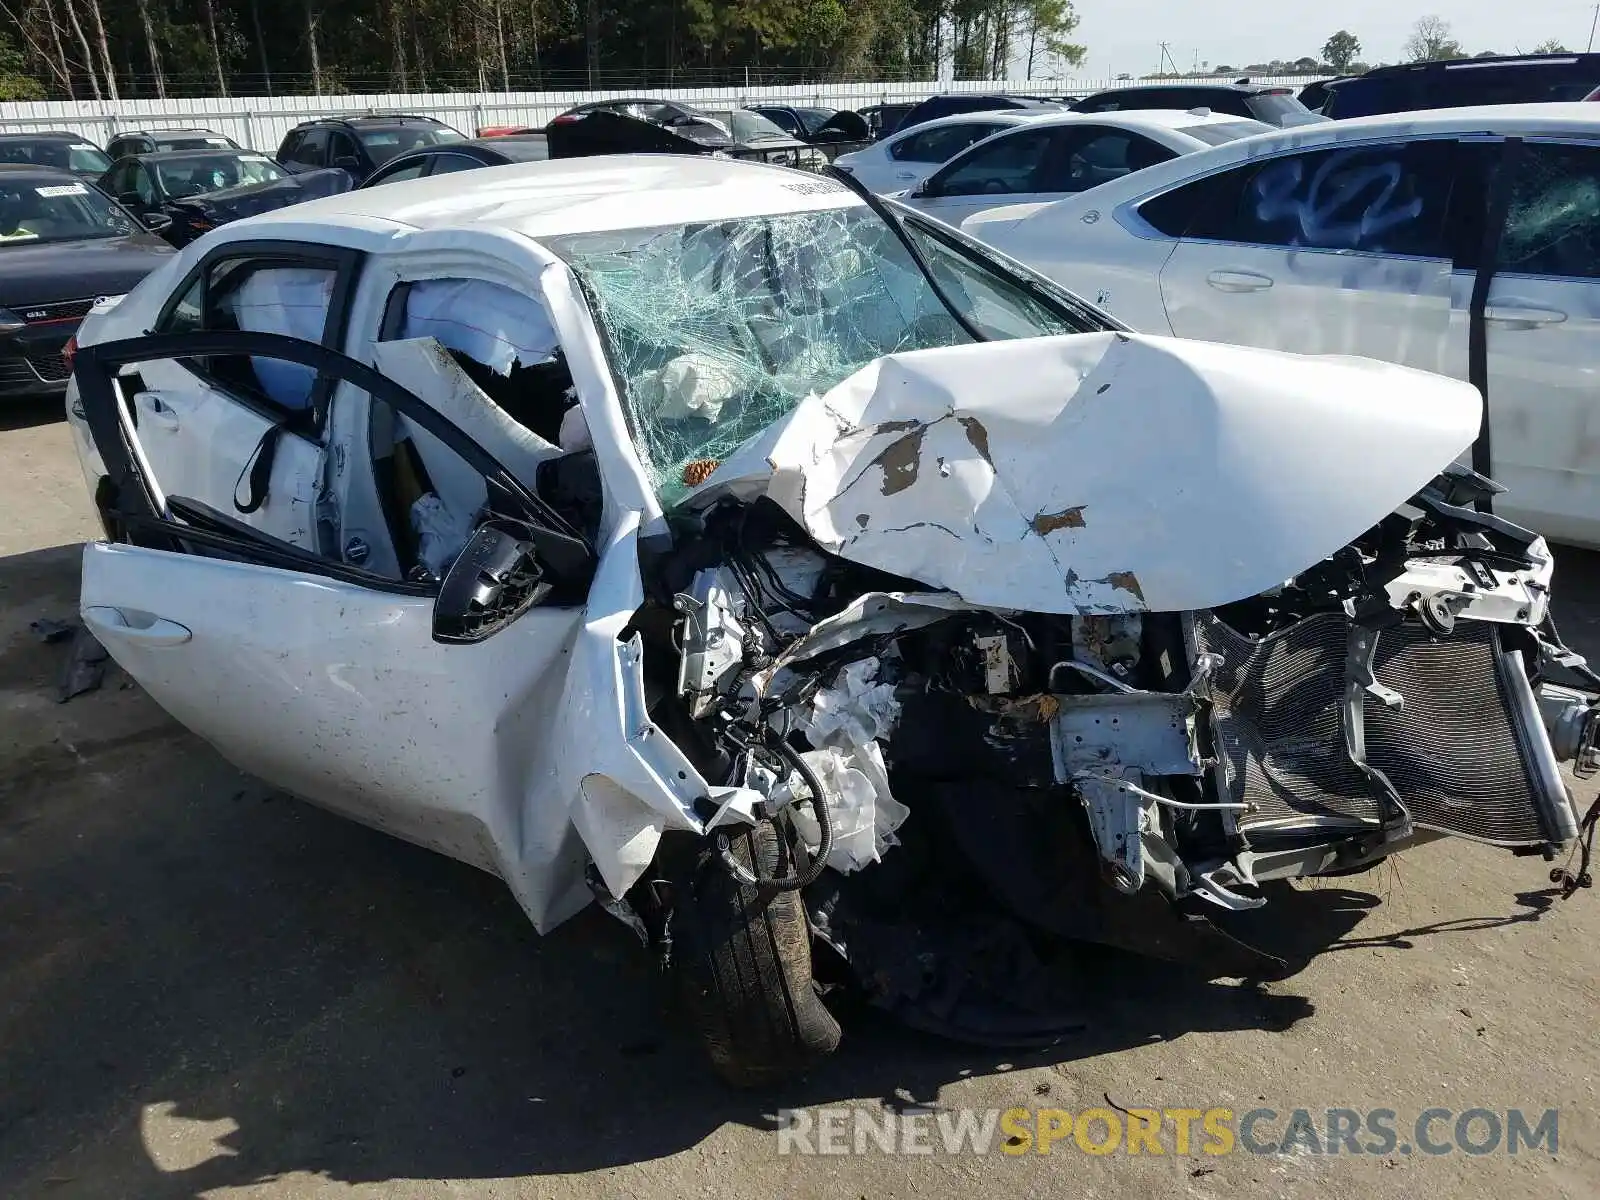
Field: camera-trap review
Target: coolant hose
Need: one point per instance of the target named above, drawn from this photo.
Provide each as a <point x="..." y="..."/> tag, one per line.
<point x="751" y="876"/>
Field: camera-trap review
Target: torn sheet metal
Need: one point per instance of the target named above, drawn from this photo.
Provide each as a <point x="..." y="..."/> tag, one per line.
<point x="1107" y="472"/>
<point x="488" y="322"/>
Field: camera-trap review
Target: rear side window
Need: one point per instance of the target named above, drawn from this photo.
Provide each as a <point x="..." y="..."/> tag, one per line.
<point x="1385" y="199"/>
<point x="1553" y="222"/>
<point x="1006" y="165"/>
<point x="941" y="144"/>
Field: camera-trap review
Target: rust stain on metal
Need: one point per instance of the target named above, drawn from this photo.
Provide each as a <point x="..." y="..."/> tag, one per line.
<point x="1127" y="581"/>
<point x="1067" y="518"/>
<point x="978" y="436"/>
<point x="901" y="460"/>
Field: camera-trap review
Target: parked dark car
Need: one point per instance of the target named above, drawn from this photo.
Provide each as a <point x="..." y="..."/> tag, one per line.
<point x="149" y="185"/>
<point x="1315" y="95"/>
<point x="738" y="133"/>
<point x="159" y="141"/>
<point x="884" y="119"/>
<point x="63" y="246"/>
<point x="1461" y="83"/>
<point x="1271" y="105"/>
<point x="360" y="144"/>
<point x="196" y="215"/>
<point x="462" y="156"/>
<point x="816" y="126"/>
<point x="56" y="149"/>
<point x="952" y="103"/>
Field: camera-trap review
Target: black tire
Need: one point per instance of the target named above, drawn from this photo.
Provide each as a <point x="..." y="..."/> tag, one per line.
<point x="742" y="956"/>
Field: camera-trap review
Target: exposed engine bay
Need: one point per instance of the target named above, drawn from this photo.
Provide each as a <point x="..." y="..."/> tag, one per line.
<point x="1130" y="779"/>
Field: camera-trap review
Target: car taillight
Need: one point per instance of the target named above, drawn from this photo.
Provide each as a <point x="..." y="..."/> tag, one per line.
<point x="69" y="350"/>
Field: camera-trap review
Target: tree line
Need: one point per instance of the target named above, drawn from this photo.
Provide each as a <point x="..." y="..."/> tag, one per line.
<point x="113" y="49"/>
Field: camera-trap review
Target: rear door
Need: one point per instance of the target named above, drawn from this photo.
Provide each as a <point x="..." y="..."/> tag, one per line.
<point x="1330" y="251"/>
<point x="341" y="685"/>
<point x="1542" y="326"/>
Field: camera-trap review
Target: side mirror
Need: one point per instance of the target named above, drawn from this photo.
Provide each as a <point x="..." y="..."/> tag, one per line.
<point x="923" y="188"/>
<point x="493" y="581"/>
<point x="155" y="222"/>
<point x="347" y="162"/>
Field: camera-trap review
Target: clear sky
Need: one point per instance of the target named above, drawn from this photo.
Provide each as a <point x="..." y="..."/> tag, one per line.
<point x="1125" y="35"/>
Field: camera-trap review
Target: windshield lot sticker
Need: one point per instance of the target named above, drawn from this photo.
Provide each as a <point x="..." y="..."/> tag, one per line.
<point x="62" y="189"/>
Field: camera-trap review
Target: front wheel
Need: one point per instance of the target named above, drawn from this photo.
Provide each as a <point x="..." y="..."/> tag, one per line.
<point x="742" y="957"/>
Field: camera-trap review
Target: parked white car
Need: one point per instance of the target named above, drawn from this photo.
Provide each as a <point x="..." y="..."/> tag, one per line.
<point x="1054" y="157"/>
<point x="695" y="567"/>
<point x="1370" y="237"/>
<point x="902" y="160"/>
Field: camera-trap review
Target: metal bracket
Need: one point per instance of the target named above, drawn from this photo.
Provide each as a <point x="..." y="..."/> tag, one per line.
<point x="1361" y="649"/>
<point x="1118" y="817"/>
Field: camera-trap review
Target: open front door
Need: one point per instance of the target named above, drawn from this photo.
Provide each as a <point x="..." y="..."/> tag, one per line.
<point x="370" y="695"/>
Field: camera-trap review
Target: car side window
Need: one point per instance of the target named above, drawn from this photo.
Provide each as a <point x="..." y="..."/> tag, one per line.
<point x="444" y="164"/>
<point x="313" y="148"/>
<point x="1553" y="220"/>
<point x="414" y="169"/>
<point x="142" y="183"/>
<point x="1082" y="158"/>
<point x="782" y="118"/>
<point x="940" y="145"/>
<point x="1391" y="198"/>
<point x="1003" y="166"/>
<point x="340" y="146"/>
<point x="258" y="294"/>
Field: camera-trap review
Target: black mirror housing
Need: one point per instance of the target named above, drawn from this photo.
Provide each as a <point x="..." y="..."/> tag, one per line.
<point x="493" y="581"/>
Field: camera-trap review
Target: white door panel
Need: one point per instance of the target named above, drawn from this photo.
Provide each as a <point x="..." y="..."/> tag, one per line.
<point x="1311" y="301"/>
<point x="199" y="444"/>
<point x="1544" y="403"/>
<point x="339" y="694"/>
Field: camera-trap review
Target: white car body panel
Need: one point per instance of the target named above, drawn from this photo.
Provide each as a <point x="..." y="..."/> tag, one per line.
<point x="1158" y="125"/>
<point x="1101" y="473"/>
<point x="1545" y="432"/>
<point x="532" y="753"/>
<point x="879" y="171"/>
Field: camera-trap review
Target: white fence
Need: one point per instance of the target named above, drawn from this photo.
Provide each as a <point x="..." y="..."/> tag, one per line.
<point x="261" y="121"/>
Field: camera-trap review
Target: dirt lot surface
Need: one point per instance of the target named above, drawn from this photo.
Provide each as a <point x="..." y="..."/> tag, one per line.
<point x="208" y="989"/>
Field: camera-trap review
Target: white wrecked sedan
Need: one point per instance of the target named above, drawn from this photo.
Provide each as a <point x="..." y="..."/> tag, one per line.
<point x="818" y="593"/>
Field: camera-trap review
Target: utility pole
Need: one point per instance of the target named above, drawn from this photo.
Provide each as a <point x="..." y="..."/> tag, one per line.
<point x="1595" y="20"/>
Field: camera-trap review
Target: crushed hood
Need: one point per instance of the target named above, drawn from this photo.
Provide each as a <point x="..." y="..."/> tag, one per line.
<point x="1106" y="472"/>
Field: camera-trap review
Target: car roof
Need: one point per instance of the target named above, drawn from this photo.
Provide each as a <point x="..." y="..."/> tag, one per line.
<point x="20" y="173"/>
<point x="394" y="118"/>
<point x="1248" y="89"/>
<point x="122" y="133"/>
<point x="1006" y="116"/>
<point x="165" y="156"/>
<point x="1493" y="60"/>
<point x="53" y="135"/>
<point x="1138" y="118"/>
<point x="572" y="195"/>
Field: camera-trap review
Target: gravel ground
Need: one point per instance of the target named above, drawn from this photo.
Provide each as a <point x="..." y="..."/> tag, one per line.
<point x="207" y="989"/>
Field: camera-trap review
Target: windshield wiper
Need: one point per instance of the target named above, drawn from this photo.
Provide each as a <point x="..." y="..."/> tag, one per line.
<point x="890" y="219"/>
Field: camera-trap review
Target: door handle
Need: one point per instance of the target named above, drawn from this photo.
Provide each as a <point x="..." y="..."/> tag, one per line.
<point x="1239" y="281"/>
<point x="1511" y="316"/>
<point x="147" y="629"/>
<point x="905" y="174"/>
<point x="158" y="410"/>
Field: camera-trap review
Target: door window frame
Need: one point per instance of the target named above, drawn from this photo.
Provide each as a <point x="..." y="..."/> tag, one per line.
<point x="183" y="523"/>
<point x="346" y="264"/>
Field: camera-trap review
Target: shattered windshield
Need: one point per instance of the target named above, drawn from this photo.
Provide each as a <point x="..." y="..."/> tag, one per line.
<point x="717" y="330"/>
